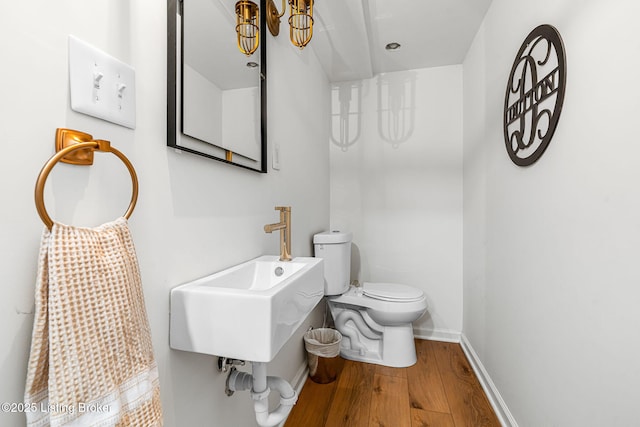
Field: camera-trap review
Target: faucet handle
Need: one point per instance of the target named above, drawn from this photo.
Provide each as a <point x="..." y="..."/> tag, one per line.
<point x="283" y="208"/>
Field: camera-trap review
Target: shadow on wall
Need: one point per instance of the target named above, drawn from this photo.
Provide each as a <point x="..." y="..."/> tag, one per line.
<point x="356" y="262"/>
<point x="346" y="113"/>
<point x="15" y="361"/>
<point x="396" y="107"/>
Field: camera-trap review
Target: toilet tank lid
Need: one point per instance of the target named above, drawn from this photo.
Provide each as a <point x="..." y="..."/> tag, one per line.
<point x="332" y="237"/>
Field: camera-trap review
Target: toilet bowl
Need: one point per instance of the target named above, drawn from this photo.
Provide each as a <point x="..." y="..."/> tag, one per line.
<point x="375" y="319"/>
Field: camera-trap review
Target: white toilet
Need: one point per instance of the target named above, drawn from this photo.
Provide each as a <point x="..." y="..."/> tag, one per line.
<point x="375" y="319"/>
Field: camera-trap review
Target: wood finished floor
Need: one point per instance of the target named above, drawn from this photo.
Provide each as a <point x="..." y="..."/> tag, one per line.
<point x="440" y="390"/>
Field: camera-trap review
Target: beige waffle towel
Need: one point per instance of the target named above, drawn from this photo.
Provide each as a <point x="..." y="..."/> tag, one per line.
<point x="91" y="361"/>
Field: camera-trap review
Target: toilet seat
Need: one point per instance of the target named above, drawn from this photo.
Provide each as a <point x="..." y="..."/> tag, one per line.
<point x="391" y="292"/>
<point x="355" y="296"/>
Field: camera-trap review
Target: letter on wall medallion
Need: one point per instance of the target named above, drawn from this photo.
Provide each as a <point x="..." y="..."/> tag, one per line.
<point x="535" y="92"/>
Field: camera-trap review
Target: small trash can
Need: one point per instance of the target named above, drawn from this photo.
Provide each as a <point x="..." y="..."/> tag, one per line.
<point x="323" y="349"/>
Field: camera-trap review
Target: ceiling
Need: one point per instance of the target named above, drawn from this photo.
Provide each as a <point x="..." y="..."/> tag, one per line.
<point x="210" y="45"/>
<point x="349" y="36"/>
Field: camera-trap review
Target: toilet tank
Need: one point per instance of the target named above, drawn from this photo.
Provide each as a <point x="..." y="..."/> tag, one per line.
<point x="334" y="247"/>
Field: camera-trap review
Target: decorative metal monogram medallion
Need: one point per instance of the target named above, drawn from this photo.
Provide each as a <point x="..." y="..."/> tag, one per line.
<point x="535" y="92"/>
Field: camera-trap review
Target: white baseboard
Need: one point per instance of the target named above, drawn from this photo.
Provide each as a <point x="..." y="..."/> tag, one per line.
<point x="300" y="377"/>
<point x="499" y="406"/>
<point x="437" y="335"/>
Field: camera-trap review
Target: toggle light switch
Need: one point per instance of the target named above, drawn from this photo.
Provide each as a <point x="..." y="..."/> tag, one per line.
<point x="120" y="87"/>
<point x="101" y="86"/>
<point x="97" y="76"/>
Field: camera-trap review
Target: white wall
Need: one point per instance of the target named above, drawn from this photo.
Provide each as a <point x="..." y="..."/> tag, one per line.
<point x="242" y="139"/>
<point x="396" y="182"/>
<point x="551" y="267"/>
<point x="194" y="216"/>
<point x="203" y="109"/>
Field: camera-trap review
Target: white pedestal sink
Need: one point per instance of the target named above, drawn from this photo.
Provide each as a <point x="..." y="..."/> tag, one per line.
<point x="248" y="311"/>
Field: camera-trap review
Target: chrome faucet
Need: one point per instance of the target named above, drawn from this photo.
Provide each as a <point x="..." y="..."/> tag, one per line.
<point x="285" y="231"/>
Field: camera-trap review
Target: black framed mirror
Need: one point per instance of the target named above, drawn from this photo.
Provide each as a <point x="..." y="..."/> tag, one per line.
<point x="216" y="95"/>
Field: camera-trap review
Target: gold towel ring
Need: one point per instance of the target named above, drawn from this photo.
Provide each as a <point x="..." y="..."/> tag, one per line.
<point x="99" y="145"/>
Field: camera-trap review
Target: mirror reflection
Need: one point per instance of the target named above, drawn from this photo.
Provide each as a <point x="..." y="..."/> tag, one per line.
<point x="219" y="91"/>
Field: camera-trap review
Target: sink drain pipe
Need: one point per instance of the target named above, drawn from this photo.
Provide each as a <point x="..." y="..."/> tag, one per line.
<point x="261" y="385"/>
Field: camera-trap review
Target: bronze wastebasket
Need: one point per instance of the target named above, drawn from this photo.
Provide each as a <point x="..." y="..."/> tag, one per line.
<point x="323" y="354"/>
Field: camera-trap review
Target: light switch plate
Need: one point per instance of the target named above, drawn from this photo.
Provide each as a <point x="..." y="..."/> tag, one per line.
<point x="101" y="86"/>
<point x="275" y="157"/>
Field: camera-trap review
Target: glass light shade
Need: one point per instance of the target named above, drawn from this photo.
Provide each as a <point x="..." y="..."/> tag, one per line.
<point x="247" y="17"/>
<point x="301" y="22"/>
